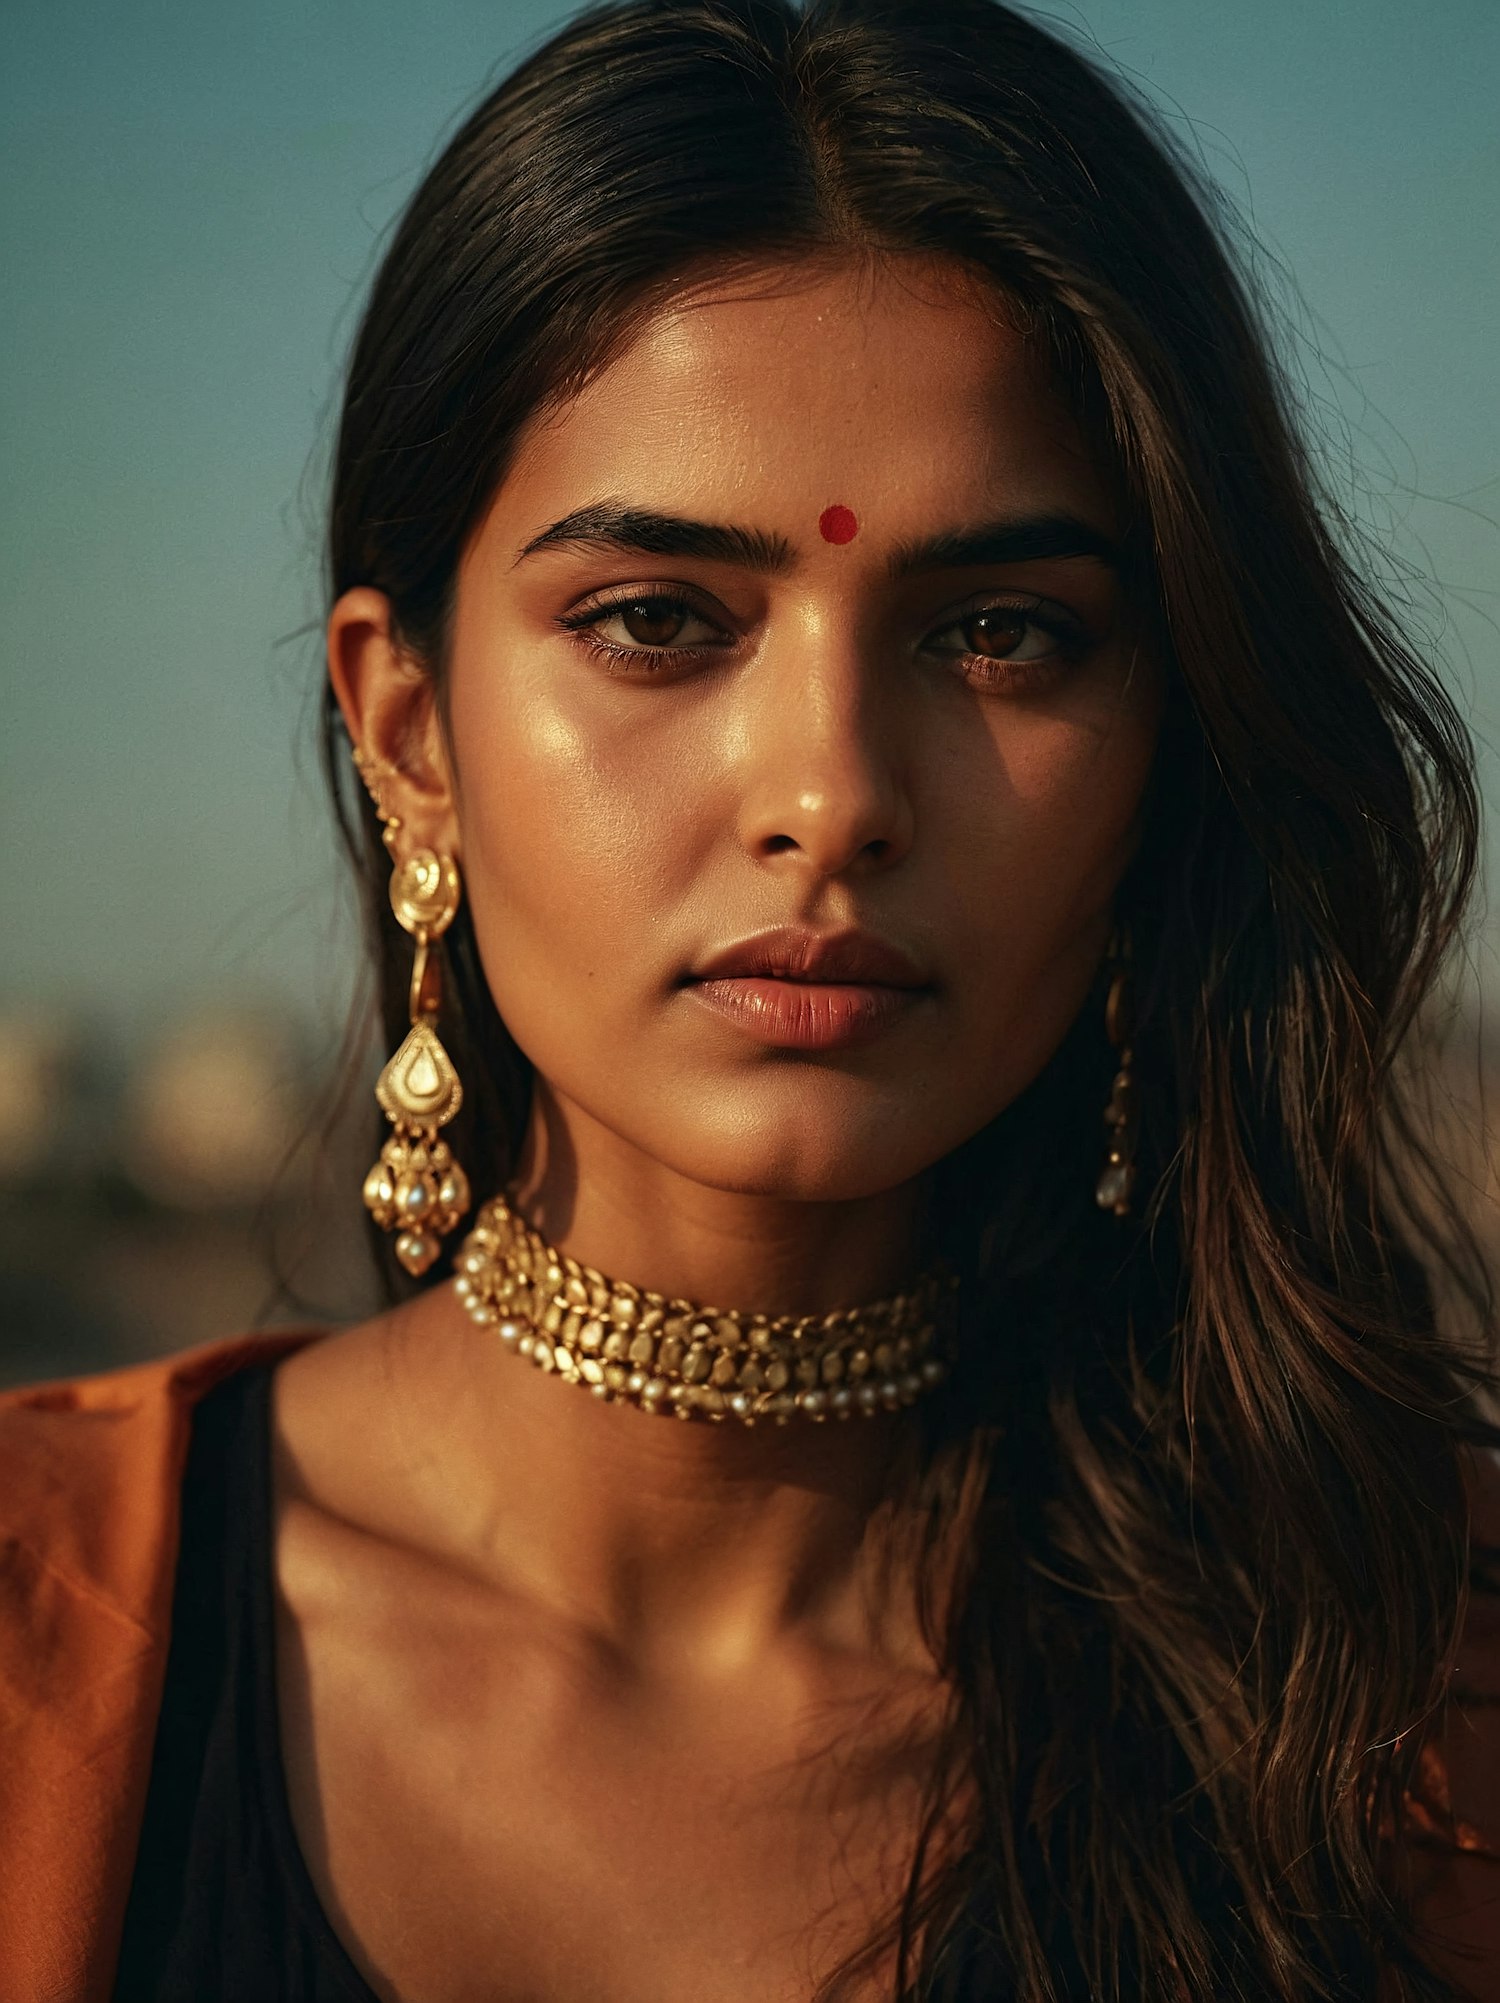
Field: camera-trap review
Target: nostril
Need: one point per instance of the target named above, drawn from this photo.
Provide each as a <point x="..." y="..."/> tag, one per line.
<point x="779" y="844"/>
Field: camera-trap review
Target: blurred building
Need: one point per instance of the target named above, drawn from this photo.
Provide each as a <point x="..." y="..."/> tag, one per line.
<point x="187" y="1189"/>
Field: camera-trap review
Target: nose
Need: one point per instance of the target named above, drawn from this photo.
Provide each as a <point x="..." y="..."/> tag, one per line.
<point x="825" y="768"/>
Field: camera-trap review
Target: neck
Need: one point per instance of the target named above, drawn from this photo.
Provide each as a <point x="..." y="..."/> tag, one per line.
<point x="693" y="1544"/>
<point x="684" y="1547"/>
<point x="637" y="1219"/>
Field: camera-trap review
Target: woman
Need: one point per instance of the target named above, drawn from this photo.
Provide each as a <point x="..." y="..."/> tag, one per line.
<point x="887" y="811"/>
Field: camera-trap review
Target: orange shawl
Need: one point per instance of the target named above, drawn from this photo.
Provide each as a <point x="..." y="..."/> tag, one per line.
<point x="89" y="1478"/>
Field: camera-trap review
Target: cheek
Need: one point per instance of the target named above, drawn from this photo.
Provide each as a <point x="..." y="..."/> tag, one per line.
<point x="1048" y="841"/>
<point x="1063" y="812"/>
<point x="569" y="835"/>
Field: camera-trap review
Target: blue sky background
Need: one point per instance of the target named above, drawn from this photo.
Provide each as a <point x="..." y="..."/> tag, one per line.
<point x="192" y="200"/>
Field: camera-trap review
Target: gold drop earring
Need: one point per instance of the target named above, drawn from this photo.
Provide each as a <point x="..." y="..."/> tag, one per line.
<point x="1116" y="1183"/>
<point x="416" y="1188"/>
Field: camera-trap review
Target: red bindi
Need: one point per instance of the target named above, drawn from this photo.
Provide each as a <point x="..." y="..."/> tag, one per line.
<point x="838" y="525"/>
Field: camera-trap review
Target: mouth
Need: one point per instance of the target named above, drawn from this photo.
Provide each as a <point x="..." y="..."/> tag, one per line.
<point x="801" y="990"/>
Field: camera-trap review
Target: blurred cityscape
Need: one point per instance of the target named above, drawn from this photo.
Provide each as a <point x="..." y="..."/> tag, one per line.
<point x="194" y="1186"/>
<point x="205" y="1181"/>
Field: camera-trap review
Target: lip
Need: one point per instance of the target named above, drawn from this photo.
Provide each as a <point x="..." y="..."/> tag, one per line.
<point x="801" y="990"/>
<point x="793" y="953"/>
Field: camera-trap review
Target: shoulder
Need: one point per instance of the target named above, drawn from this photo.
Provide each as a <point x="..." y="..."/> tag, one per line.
<point x="89" y="1510"/>
<point x="92" y="1463"/>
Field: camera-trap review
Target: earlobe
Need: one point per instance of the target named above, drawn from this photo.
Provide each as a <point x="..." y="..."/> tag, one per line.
<point x="388" y="702"/>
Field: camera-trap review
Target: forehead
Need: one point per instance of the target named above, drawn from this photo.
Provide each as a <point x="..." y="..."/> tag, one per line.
<point x="900" y="386"/>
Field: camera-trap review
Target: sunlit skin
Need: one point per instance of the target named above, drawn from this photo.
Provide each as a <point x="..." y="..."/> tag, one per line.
<point x="574" y="1698"/>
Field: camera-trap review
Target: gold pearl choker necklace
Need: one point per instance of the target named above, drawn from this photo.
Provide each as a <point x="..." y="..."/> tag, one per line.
<point x="670" y="1356"/>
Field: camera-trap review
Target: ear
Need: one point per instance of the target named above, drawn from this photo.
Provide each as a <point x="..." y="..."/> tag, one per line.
<point x="389" y="704"/>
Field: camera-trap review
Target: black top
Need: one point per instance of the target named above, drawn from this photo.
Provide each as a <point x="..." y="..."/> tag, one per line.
<point x="222" y="1909"/>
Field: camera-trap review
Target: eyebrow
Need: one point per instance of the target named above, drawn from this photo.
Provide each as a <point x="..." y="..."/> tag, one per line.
<point x="610" y="525"/>
<point x="1021" y="539"/>
<point x="639" y="532"/>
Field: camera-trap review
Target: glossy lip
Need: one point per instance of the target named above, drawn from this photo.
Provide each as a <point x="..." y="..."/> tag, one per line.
<point x="793" y="953"/>
<point x="801" y="990"/>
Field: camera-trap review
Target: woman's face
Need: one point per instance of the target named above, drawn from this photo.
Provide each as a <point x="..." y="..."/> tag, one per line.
<point x="799" y="620"/>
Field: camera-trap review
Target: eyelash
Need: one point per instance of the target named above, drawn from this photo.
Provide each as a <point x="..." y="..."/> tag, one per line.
<point x="1018" y="676"/>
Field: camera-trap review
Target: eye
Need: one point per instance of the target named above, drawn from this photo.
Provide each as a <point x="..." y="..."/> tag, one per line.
<point x="1012" y="644"/>
<point x="1005" y="632"/>
<point x="644" y="628"/>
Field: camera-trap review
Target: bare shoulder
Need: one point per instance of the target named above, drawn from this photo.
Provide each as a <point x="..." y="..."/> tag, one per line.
<point x="354" y="1440"/>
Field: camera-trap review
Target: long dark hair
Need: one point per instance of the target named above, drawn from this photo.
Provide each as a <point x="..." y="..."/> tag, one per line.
<point x="1206" y="1469"/>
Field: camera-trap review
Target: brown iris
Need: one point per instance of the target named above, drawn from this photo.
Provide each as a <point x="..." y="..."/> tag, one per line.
<point x="995" y="632"/>
<point x="652" y="622"/>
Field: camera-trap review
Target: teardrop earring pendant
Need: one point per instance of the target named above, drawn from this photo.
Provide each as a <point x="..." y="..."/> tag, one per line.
<point x="1116" y="1184"/>
<point x="416" y="1188"/>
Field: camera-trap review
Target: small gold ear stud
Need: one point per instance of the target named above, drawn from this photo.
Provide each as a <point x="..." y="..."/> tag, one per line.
<point x="375" y="772"/>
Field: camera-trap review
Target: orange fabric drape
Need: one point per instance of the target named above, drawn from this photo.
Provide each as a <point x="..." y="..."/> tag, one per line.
<point x="90" y="1473"/>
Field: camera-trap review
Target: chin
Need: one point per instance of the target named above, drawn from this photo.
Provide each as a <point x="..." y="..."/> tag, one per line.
<point x="806" y="1155"/>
